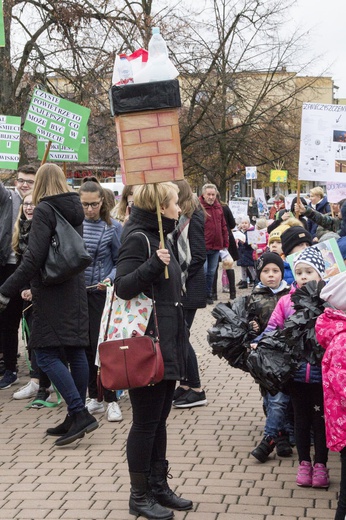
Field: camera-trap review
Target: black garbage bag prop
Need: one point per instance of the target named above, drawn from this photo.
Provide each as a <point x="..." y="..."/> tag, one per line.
<point x="271" y="363"/>
<point x="231" y="333"/>
<point x="279" y="353"/>
<point x="299" y="329"/>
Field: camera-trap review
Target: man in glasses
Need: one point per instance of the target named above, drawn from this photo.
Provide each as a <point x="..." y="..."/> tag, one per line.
<point x="10" y="201"/>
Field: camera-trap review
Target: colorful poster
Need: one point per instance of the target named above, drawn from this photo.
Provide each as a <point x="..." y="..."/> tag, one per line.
<point x="59" y="153"/>
<point x="56" y="119"/>
<point x="278" y="175"/>
<point x="334" y="263"/>
<point x="9" y="142"/>
<point x="251" y="172"/>
<point x="261" y="201"/>
<point x="323" y="143"/>
<point x="257" y="236"/>
<point x="2" y="27"/>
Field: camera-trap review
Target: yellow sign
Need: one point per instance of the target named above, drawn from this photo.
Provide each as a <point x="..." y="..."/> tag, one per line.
<point x="278" y="175"/>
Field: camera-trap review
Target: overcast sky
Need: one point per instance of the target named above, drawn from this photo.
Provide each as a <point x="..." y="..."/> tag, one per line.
<point x="327" y="21"/>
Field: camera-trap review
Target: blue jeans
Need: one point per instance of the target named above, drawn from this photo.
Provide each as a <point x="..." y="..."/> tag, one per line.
<point x="72" y="384"/>
<point x="210" y="266"/>
<point x="276" y="407"/>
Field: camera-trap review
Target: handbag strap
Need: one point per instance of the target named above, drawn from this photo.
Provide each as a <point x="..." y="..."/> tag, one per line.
<point x="58" y="212"/>
<point x="153" y="299"/>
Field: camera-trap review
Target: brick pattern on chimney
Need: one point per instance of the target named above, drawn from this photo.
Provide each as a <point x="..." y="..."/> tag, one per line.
<point x="149" y="146"/>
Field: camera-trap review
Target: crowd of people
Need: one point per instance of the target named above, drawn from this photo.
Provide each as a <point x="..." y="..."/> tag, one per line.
<point x="63" y="320"/>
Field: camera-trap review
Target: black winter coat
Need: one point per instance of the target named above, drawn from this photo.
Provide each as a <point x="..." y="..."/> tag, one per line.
<point x="137" y="273"/>
<point x="230" y="221"/>
<point x="60" y="312"/>
<point x="196" y="289"/>
<point x="245" y="252"/>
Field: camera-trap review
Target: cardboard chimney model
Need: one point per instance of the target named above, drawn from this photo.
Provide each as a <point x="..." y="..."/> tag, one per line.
<point x="147" y="131"/>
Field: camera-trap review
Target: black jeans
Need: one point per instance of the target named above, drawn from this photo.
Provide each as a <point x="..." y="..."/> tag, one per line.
<point x="9" y="323"/>
<point x="341" y="510"/>
<point x="192" y="380"/>
<point x="35" y="371"/>
<point x="307" y="401"/>
<point x="96" y="303"/>
<point x="147" y="439"/>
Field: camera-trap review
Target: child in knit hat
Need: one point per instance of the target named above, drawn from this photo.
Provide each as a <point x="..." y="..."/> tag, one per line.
<point x="293" y="239"/>
<point x="306" y="387"/>
<point x="331" y="334"/>
<point x="262" y="301"/>
<point x="274" y="241"/>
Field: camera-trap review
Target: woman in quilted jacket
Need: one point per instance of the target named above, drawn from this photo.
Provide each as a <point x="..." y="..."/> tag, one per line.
<point x="331" y="334"/>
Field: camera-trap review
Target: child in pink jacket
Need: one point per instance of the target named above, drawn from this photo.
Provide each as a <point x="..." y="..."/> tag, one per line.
<point x="331" y="334"/>
<point x="306" y="387"/>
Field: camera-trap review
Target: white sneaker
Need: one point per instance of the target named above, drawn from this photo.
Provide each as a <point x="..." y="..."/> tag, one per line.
<point x="94" y="406"/>
<point x="27" y="391"/>
<point x="113" y="412"/>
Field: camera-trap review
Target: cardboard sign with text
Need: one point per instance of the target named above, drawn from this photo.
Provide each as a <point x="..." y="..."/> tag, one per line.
<point x="59" y="153"/>
<point x="9" y="142"/>
<point x="56" y="119"/>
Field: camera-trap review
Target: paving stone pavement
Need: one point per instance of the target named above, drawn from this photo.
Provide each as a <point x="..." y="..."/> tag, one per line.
<point x="208" y="450"/>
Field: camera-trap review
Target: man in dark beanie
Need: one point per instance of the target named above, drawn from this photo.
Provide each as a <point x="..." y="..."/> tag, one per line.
<point x="295" y="239"/>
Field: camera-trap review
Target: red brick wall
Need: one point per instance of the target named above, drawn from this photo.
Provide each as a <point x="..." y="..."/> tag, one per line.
<point x="149" y="146"/>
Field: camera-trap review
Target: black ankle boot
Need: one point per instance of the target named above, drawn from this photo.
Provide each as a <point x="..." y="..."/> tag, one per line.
<point x="264" y="449"/>
<point x="62" y="428"/>
<point x="82" y="422"/>
<point x="283" y="447"/>
<point x="142" y="501"/>
<point x="162" y="492"/>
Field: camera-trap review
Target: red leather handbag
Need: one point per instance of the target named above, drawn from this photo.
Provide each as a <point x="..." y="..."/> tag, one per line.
<point x="130" y="363"/>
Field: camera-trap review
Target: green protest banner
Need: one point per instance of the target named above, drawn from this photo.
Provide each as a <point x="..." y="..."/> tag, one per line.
<point x="9" y="142"/>
<point x="56" y="119"/>
<point x="59" y="153"/>
<point x="2" y="28"/>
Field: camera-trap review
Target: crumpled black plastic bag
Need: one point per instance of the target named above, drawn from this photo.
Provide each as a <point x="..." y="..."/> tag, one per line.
<point x="271" y="363"/>
<point x="299" y="329"/>
<point x="231" y="333"/>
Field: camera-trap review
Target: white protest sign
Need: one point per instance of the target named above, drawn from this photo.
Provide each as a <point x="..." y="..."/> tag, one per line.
<point x="238" y="208"/>
<point x="323" y="143"/>
<point x="250" y="172"/>
<point x="335" y="192"/>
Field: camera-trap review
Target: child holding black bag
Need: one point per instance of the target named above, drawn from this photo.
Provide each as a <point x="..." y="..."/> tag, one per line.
<point x="306" y="387"/>
<point x="265" y="296"/>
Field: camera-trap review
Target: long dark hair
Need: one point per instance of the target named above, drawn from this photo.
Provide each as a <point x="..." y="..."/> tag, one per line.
<point x="92" y="185"/>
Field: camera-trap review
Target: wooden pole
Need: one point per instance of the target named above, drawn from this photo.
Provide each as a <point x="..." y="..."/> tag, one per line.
<point x="46" y="153"/>
<point x="298" y="197"/>
<point x="64" y="169"/>
<point x="162" y="238"/>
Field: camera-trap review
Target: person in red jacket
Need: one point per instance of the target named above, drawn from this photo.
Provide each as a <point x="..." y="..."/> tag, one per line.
<point x="215" y="233"/>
